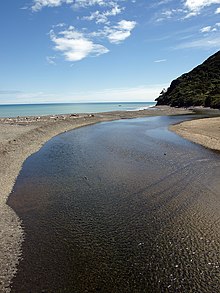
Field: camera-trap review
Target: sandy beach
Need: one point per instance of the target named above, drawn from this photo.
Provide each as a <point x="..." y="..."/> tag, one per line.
<point x="21" y="137"/>
<point x="202" y="131"/>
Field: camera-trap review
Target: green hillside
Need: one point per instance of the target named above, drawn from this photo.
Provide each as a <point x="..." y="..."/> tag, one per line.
<point x="199" y="87"/>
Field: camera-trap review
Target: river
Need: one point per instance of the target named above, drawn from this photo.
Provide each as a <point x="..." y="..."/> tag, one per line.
<point x="124" y="206"/>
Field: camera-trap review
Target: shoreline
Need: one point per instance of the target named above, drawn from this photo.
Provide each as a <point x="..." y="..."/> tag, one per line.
<point x="205" y="131"/>
<point x="23" y="136"/>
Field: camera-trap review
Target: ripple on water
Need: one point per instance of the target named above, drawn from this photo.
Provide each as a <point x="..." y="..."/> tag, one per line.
<point x="117" y="207"/>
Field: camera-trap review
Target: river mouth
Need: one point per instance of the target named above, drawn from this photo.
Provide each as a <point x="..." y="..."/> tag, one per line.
<point x="125" y="206"/>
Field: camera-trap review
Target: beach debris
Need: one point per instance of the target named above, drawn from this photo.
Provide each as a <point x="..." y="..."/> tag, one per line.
<point x="85" y="177"/>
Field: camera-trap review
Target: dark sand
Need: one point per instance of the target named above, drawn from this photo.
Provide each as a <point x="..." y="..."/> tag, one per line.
<point x="19" y="138"/>
<point x="119" y="207"/>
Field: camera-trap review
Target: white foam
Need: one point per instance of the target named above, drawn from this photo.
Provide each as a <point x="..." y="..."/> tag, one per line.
<point x="151" y="107"/>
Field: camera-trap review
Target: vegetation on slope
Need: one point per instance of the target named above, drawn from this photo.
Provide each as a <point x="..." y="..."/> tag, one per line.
<point x="199" y="87"/>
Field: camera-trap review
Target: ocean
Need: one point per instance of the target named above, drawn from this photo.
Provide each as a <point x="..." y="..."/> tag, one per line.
<point x="68" y="108"/>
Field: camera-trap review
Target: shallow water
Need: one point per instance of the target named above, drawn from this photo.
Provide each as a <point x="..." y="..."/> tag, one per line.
<point x="125" y="206"/>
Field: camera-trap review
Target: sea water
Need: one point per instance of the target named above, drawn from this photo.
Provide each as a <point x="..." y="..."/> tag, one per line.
<point x="64" y="108"/>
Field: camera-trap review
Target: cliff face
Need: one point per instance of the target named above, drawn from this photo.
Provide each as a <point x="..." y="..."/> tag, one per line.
<point x="199" y="87"/>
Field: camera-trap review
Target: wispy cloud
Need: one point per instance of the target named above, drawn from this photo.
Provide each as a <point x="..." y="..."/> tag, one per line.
<point x="139" y="93"/>
<point x="202" y="43"/>
<point x="22" y="97"/>
<point x="51" y="60"/>
<point x="206" y="29"/>
<point x="210" y="28"/>
<point x="169" y="13"/>
<point x="10" y="92"/>
<point x="103" y="17"/>
<point x="160" y="60"/>
<point x="185" y="9"/>
<point x="163" y="2"/>
<point x="40" y="4"/>
<point x="194" y="7"/>
<point x="87" y="3"/>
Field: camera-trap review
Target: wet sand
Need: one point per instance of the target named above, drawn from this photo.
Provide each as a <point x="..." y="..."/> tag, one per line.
<point x="126" y="206"/>
<point x="203" y="131"/>
<point x="21" y="137"/>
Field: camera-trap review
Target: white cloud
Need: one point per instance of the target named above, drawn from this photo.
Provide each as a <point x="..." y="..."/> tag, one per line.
<point x="189" y="9"/>
<point x="39" y="4"/>
<point x="120" y="32"/>
<point x="163" y="2"/>
<point x="102" y="17"/>
<point x="160" y="60"/>
<point x="126" y="25"/>
<point x="195" y="6"/>
<point x="62" y="24"/>
<point x="117" y="36"/>
<point x="208" y="29"/>
<point x="86" y="3"/>
<point x="75" y="45"/>
<point x="169" y="13"/>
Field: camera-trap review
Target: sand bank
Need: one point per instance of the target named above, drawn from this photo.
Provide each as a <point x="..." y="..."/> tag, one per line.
<point x="21" y="137"/>
<point x="202" y="131"/>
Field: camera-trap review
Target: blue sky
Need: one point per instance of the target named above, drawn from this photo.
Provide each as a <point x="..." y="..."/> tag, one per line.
<point x="99" y="50"/>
